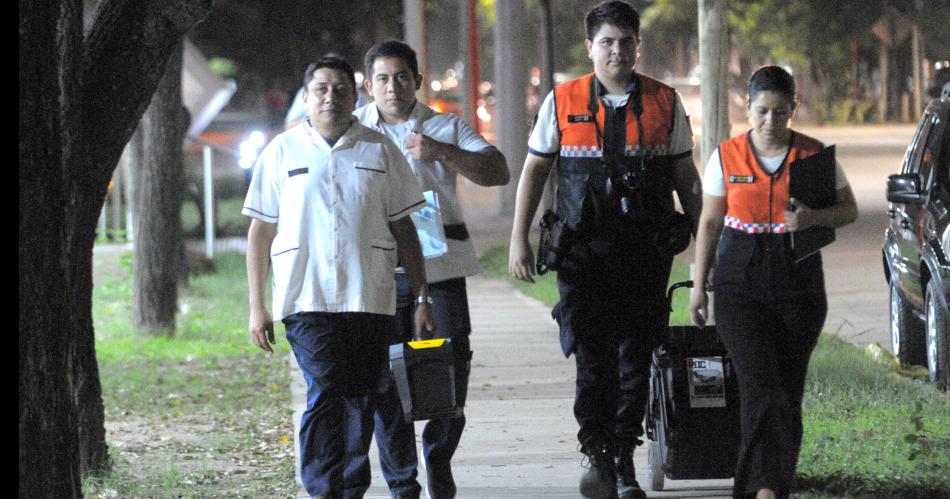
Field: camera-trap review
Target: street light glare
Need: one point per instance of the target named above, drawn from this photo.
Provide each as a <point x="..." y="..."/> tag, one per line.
<point x="257" y="139"/>
<point x="250" y="148"/>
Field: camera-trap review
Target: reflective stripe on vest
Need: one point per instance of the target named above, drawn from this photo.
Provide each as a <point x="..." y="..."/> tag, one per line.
<point x="629" y="150"/>
<point x="752" y="228"/>
<point x="756" y="200"/>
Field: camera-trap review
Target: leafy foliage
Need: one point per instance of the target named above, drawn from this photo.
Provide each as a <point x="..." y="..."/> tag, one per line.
<point x="801" y="34"/>
<point x="827" y="41"/>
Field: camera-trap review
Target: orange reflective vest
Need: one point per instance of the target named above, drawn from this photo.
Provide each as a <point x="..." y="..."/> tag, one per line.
<point x="587" y="171"/>
<point x="755" y="199"/>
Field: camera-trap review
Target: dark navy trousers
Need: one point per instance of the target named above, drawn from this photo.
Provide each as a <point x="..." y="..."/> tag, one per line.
<point x="395" y="436"/>
<point x="343" y="358"/>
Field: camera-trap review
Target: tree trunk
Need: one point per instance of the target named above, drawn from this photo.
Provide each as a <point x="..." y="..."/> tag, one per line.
<point x="80" y="101"/>
<point x="414" y="33"/>
<point x="49" y="464"/>
<point x="511" y="78"/>
<point x="157" y="257"/>
<point x="124" y="57"/>
<point x="93" y="452"/>
<point x="713" y="59"/>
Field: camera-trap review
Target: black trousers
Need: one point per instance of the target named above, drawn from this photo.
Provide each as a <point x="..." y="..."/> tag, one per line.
<point x="769" y="313"/>
<point x="611" y="312"/>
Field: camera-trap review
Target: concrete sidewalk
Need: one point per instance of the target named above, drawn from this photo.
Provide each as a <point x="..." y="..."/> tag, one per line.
<point x="520" y="440"/>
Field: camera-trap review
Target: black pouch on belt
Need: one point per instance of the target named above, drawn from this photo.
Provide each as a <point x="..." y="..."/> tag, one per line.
<point x="672" y="238"/>
<point x="554" y="243"/>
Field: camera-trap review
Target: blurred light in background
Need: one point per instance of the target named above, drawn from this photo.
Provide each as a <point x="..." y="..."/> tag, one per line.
<point x="250" y="149"/>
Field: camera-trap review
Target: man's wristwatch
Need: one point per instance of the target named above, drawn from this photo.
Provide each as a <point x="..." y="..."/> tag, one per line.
<point x="423" y="299"/>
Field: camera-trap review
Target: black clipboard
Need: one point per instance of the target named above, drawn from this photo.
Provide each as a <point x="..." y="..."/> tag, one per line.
<point x="812" y="182"/>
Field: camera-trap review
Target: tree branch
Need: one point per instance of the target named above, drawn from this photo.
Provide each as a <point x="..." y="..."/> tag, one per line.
<point x="124" y="57"/>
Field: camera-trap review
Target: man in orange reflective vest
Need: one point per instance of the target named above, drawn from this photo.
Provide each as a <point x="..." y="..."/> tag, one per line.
<point x="624" y="144"/>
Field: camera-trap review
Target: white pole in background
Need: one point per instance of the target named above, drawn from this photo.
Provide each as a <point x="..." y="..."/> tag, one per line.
<point x="208" y="202"/>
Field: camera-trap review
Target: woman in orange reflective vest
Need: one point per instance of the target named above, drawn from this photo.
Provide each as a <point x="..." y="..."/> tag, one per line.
<point x="770" y="306"/>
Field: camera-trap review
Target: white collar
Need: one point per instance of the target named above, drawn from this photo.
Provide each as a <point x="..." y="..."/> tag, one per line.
<point x="419" y="114"/>
<point x="320" y="140"/>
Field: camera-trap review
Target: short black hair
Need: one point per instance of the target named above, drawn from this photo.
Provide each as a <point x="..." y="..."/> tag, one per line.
<point x="619" y="14"/>
<point x="332" y="62"/>
<point x="391" y="48"/>
<point x="772" y="79"/>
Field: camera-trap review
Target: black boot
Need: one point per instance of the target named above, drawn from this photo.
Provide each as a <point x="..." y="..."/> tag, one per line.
<point x="627" y="486"/>
<point x="600" y="480"/>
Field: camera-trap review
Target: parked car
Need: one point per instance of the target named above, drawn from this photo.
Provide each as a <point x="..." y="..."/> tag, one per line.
<point x="917" y="247"/>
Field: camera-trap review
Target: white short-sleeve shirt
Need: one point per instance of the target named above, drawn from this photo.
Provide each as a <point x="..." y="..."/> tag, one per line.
<point x="460" y="260"/>
<point x="545" y="139"/>
<point x="715" y="185"/>
<point x="333" y="251"/>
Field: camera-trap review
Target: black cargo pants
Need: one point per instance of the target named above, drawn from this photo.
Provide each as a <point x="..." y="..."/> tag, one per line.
<point x="611" y="312"/>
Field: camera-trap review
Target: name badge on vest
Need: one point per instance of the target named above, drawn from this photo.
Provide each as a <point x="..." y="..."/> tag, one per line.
<point x="741" y="179"/>
<point x="579" y="118"/>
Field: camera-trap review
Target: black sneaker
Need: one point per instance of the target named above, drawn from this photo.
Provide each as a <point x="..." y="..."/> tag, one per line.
<point x="627" y="486"/>
<point x="600" y="479"/>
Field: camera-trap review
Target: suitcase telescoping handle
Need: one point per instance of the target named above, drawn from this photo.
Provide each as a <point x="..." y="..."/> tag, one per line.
<point x="674" y="287"/>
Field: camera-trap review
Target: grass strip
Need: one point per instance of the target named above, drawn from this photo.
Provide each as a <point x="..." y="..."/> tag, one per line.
<point x="868" y="431"/>
<point x="229" y="223"/>
<point x="202" y="413"/>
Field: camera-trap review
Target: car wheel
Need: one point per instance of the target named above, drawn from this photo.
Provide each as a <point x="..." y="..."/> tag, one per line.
<point x="938" y="337"/>
<point x="906" y="337"/>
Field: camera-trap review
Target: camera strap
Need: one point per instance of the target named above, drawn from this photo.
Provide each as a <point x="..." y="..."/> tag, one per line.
<point x="634" y="99"/>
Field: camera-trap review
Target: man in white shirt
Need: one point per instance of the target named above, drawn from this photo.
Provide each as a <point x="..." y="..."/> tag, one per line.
<point x="330" y="201"/>
<point x="439" y="147"/>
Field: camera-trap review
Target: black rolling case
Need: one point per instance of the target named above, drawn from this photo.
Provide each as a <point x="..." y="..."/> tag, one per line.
<point x="693" y="410"/>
